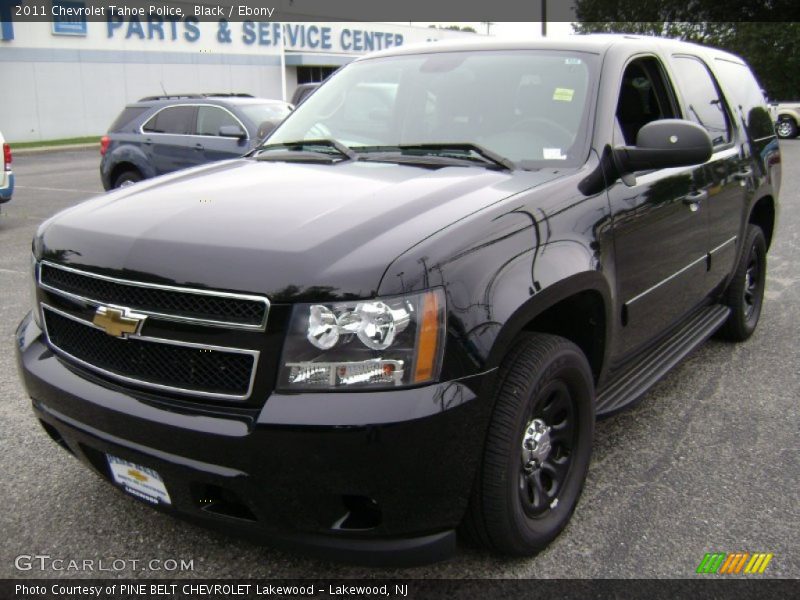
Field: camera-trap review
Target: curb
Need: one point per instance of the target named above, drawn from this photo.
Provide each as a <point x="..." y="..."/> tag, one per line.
<point x="43" y="149"/>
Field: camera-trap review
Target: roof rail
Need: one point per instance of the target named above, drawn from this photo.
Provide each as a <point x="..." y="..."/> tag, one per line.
<point x="170" y="97"/>
<point x="203" y="95"/>
<point x="230" y="95"/>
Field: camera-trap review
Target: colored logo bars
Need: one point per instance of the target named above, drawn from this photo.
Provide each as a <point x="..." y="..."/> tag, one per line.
<point x="734" y="563"/>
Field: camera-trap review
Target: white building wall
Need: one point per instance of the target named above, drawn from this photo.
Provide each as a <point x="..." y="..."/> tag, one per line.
<point x="50" y="100"/>
<point x="57" y="86"/>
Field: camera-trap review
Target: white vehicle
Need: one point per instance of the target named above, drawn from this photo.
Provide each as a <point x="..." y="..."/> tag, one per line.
<point x="787" y="118"/>
<point x="6" y="174"/>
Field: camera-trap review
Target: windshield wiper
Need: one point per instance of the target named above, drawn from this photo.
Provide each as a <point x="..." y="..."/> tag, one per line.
<point x="459" y="148"/>
<point x="306" y="145"/>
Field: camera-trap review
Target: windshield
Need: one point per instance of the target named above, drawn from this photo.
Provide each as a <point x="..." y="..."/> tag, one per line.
<point x="258" y="113"/>
<point x="527" y="106"/>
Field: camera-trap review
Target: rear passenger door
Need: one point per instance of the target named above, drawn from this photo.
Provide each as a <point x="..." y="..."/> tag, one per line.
<point x="168" y="139"/>
<point x="210" y="145"/>
<point x="659" y="222"/>
<point x="724" y="179"/>
<point x="756" y="145"/>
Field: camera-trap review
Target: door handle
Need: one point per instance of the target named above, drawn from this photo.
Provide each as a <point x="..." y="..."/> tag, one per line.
<point x="148" y="141"/>
<point x="743" y="176"/>
<point x="693" y="199"/>
<point x="199" y="146"/>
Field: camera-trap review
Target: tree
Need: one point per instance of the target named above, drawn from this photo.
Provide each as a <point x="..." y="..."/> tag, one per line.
<point x="771" y="48"/>
<point x="465" y="28"/>
<point x="686" y="11"/>
<point x="454" y="28"/>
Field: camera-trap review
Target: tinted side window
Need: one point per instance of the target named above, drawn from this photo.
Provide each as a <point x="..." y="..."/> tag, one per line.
<point x="644" y="96"/>
<point x="302" y="92"/>
<point x="704" y="104"/>
<point x="745" y="97"/>
<point x="211" y="118"/>
<point x="175" y="119"/>
<point x="126" y="117"/>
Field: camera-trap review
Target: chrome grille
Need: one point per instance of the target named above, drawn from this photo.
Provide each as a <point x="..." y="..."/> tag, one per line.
<point x="169" y="365"/>
<point x="218" y="309"/>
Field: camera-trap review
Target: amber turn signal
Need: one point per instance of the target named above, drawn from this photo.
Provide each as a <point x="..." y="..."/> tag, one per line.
<point x="428" y="341"/>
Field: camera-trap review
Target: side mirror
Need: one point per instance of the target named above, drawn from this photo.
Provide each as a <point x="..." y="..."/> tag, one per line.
<point x="232" y="131"/>
<point x="662" y="144"/>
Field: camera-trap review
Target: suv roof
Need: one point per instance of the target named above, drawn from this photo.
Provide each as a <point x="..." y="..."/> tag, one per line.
<point x="218" y="99"/>
<point x="202" y="95"/>
<point x="597" y="43"/>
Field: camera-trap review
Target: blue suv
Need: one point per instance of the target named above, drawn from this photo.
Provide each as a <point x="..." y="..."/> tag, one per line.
<point x="161" y="134"/>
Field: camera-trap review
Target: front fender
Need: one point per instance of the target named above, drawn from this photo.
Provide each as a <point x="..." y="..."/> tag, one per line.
<point x="528" y="308"/>
<point x="502" y="267"/>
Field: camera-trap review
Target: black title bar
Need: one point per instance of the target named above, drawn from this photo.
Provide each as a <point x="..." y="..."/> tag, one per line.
<point x="402" y="11"/>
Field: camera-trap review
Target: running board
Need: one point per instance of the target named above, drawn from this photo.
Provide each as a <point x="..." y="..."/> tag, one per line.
<point x="646" y="370"/>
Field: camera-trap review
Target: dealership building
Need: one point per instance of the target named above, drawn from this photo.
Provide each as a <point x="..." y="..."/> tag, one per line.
<point x="70" y="78"/>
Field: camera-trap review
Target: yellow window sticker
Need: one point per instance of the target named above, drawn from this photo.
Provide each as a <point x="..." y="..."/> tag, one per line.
<point x="563" y="94"/>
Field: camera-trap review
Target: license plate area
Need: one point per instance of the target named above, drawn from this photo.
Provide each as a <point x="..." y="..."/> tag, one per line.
<point x="139" y="481"/>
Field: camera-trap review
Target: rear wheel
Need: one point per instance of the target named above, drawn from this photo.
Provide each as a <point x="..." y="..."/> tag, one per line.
<point x="537" y="449"/>
<point x="745" y="293"/>
<point x="786" y="128"/>
<point x="127" y="178"/>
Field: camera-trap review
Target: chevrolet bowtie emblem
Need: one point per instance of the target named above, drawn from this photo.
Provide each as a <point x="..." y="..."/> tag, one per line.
<point x="118" y="321"/>
<point x="137" y="475"/>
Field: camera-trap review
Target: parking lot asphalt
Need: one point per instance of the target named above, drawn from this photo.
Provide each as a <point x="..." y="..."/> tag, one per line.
<point x="708" y="462"/>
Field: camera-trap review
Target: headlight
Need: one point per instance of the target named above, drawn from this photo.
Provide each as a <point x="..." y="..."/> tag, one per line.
<point x="386" y="342"/>
<point x="33" y="285"/>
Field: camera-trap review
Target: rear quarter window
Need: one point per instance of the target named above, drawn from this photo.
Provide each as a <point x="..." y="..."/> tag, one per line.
<point x="126" y="118"/>
<point x="745" y="97"/>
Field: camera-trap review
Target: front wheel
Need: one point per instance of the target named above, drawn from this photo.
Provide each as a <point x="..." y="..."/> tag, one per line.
<point x="745" y="293"/>
<point x="786" y="128"/>
<point x="537" y="449"/>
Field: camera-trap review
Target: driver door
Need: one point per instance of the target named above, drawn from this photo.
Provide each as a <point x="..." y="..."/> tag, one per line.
<point x="659" y="223"/>
<point x="210" y="145"/>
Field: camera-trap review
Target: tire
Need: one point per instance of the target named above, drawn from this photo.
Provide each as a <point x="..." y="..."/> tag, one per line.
<point x="128" y="177"/>
<point x="745" y="293"/>
<point x="786" y="128"/>
<point x="548" y="379"/>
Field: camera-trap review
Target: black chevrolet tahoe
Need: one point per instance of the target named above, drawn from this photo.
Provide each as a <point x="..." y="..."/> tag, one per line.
<point x="398" y="318"/>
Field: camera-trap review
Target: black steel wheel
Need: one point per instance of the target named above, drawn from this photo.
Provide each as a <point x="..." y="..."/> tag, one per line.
<point x="745" y="293"/>
<point x="537" y="449"/>
<point x="546" y="448"/>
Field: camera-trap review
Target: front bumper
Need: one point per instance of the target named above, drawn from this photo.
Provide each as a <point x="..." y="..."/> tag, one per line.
<point x="370" y="477"/>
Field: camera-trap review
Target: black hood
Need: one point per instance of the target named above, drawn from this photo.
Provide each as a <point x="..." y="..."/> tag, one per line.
<point x="287" y="230"/>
